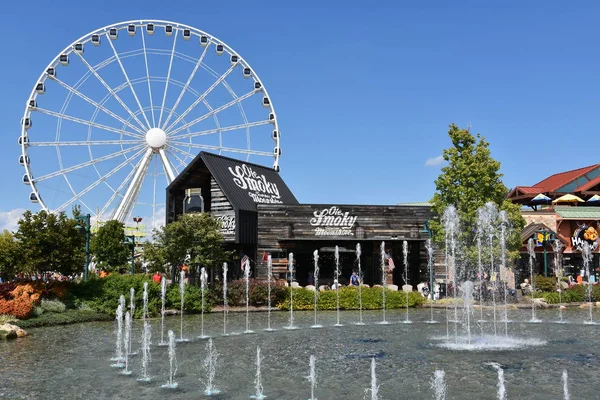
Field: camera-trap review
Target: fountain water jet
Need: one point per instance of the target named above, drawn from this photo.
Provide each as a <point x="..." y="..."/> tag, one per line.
<point x="405" y="259"/>
<point x="360" y="316"/>
<point x="146" y="337"/>
<point x="431" y="289"/>
<point x="119" y="345"/>
<point x="269" y="277"/>
<point x="131" y="313"/>
<point x="312" y="377"/>
<point x="559" y="273"/>
<point x="163" y="297"/>
<point x="225" y="308"/>
<point x="182" y="295"/>
<point x="145" y="303"/>
<point x="127" y="344"/>
<point x="501" y="386"/>
<point x="531" y="251"/>
<point x="438" y="385"/>
<point x="337" y="283"/>
<point x="316" y="293"/>
<point x="247" y="281"/>
<point x="588" y="256"/>
<point x="451" y="222"/>
<point x="258" y="388"/>
<point x="171" y="384"/>
<point x="203" y="280"/>
<point x="383" y="282"/>
<point x="210" y="365"/>
<point x="291" y="270"/>
<point x="504" y="225"/>
<point x="374" y="389"/>
<point x="565" y="380"/>
<point x="467" y="290"/>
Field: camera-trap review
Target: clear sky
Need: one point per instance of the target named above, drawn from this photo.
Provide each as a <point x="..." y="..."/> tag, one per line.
<point x="364" y="91"/>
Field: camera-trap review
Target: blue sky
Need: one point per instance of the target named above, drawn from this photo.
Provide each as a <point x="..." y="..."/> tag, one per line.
<point x="364" y="91"/>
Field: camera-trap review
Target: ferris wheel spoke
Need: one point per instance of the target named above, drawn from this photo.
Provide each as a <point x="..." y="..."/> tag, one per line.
<point x="87" y="163"/>
<point x="131" y="195"/>
<point x="166" y="165"/>
<point x="187" y="84"/>
<point x="221" y="148"/>
<point x="202" y="97"/>
<point x="117" y="191"/>
<point x="220" y="129"/>
<point x="181" y="162"/>
<point x="212" y="112"/>
<point x="137" y="100"/>
<point x="103" y="178"/>
<point x="111" y="91"/>
<point x="88" y="123"/>
<point x="99" y="106"/>
<point x="148" y="77"/>
<point x="162" y="108"/>
<point x="185" y="153"/>
<point x="154" y="193"/>
<point x="84" y="143"/>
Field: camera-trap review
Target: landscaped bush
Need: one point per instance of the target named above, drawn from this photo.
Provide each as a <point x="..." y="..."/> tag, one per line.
<point x="349" y="299"/>
<point x="545" y="284"/>
<point x="192" y="299"/>
<point x="55" y="306"/>
<point x="37" y="311"/>
<point x="68" y="317"/>
<point x="575" y="294"/>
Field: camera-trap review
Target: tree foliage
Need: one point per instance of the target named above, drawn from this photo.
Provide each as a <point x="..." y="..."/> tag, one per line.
<point x="107" y="246"/>
<point x="469" y="180"/>
<point x="194" y="240"/>
<point x="50" y="242"/>
<point x="10" y="256"/>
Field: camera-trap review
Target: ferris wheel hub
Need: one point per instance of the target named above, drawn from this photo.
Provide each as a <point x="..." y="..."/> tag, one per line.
<point x="156" y="138"/>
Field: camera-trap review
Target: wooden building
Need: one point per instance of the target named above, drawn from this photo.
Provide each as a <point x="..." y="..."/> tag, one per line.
<point x="261" y="218"/>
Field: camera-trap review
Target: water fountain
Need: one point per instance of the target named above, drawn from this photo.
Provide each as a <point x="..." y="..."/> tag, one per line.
<point x="383" y="281"/>
<point x="501" y="387"/>
<point x="531" y="251"/>
<point x="146" y="337"/>
<point x="258" y="387"/>
<point x="588" y="256"/>
<point x="405" y="260"/>
<point x="438" y="384"/>
<point x="467" y="292"/>
<point x="487" y="217"/>
<point x="225" y="305"/>
<point x="559" y="273"/>
<point x="269" y="277"/>
<point x="312" y="377"/>
<point x="127" y="344"/>
<point x="132" y="313"/>
<point x="171" y="384"/>
<point x="481" y="274"/>
<point x="210" y="368"/>
<point x="247" y="281"/>
<point x="291" y="272"/>
<point x="145" y="303"/>
<point x="163" y="299"/>
<point x="374" y="389"/>
<point x="429" y="248"/>
<point x="203" y="281"/>
<point x="504" y="227"/>
<point x="337" y="284"/>
<point x="118" y="358"/>
<point x="565" y="381"/>
<point x="316" y="293"/>
<point x="451" y="222"/>
<point x="360" y="314"/>
<point x="182" y="296"/>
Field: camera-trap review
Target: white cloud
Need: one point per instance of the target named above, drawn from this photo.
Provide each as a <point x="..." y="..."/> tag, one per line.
<point x="9" y="219"/>
<point x="435" y="161"/>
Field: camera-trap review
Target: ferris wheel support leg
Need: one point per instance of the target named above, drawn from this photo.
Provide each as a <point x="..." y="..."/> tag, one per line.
<point x="134" y="188"/>
<point x="166" y="165"/>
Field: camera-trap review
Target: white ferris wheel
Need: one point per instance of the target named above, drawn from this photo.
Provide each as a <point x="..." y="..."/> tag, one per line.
<point x="122" y="110"/>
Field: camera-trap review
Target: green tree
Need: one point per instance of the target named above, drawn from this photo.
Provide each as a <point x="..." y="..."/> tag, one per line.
<point x="9" y="255"/>
<point x="470" y="180"/>
<point x="107" y="246"/>
<point x="194" y="239"/>
<point x="50" y="242"/>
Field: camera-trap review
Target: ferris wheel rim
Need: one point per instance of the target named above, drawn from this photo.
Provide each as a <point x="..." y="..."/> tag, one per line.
<point x="142" y="23"/>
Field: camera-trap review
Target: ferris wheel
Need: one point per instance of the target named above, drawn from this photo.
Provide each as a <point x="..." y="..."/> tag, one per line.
<point x="122" y="110"/>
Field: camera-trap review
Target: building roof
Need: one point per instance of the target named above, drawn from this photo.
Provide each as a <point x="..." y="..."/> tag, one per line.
<point x="416" y="204"/>
<point x="530" y="229"/>
<point x="570" y="212"/>
<point x="243" y="183"/>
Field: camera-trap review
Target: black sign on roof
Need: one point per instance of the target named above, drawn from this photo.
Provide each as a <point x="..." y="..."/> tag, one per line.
<point x="244" y="184"/>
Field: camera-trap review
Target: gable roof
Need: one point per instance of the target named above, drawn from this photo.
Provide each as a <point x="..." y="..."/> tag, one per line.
<point x="243" y="183"/>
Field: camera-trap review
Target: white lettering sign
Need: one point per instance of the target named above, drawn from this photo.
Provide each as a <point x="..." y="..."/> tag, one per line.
<point x="333" y="222"/>
<point x="257" y="185"/>
<point x="227" y="223"/>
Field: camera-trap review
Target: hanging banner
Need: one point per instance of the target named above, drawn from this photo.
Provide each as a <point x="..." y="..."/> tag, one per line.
<point x="585" y="234"/>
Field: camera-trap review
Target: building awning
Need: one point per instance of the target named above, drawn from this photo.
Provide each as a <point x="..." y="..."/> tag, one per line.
<point x="567" y="212"/>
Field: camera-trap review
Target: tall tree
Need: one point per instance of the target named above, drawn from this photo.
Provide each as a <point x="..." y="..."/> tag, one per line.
<point x="194" y="239"/>
<point x="471" y="179"/>
<point x="108" y="246"/>
<point x="50" y="242"/>
<point x="10" y="256"/>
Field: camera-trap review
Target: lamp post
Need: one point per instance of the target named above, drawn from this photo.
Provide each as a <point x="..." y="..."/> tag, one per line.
<point x="84" y="223"/>
<point x="427" y="229"/>
<point x="131" y="242"/>
<point x="546" y="237"/>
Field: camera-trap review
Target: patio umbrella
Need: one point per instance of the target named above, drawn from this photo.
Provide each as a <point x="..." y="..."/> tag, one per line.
<point x="542" y="197"/>
<point x="568" y="198"/>
<point x="594" y="199"/>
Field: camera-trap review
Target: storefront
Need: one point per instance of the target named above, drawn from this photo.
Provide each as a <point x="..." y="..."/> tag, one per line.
<point x="261" y="218"/>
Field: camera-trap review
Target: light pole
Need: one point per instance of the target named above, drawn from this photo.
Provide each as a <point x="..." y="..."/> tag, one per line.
<point x="427" y="229"/>
<point x="84" y="223"/>
<point x="546" y="237"/>
<point x="130" y="240"/>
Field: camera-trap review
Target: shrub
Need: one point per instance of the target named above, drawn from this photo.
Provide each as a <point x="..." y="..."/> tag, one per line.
<point x="545" y="284"/>
<point x="68" y="317"/>
<point x="55" y="306"/>
<point x="37" y="311"/>
<point x="6" y="289"/>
